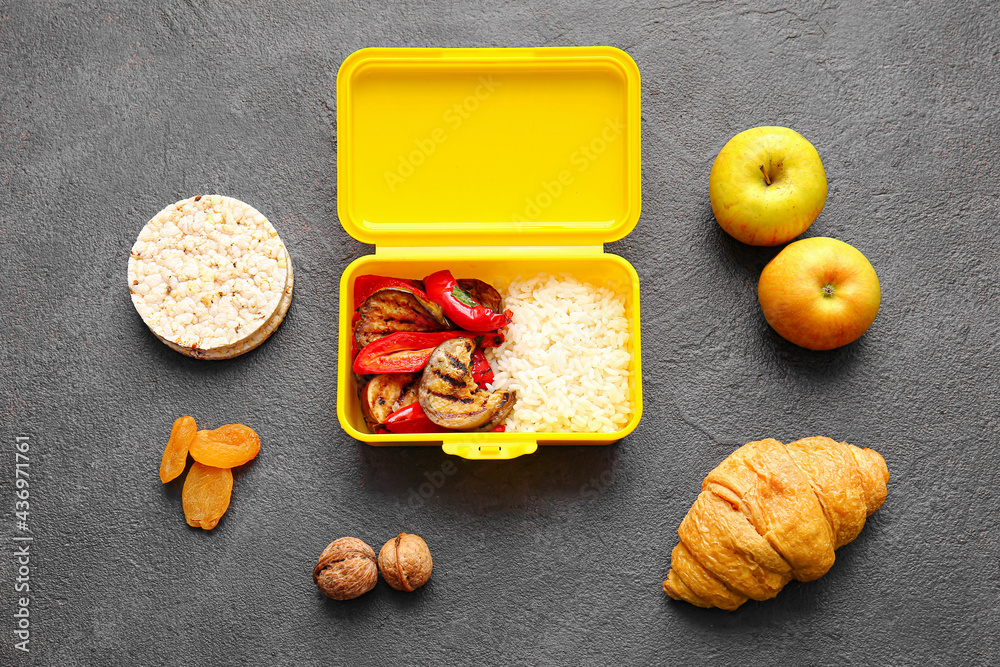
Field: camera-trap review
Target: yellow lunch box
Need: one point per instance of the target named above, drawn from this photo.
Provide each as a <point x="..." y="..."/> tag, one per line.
<point x="494" y="164"/>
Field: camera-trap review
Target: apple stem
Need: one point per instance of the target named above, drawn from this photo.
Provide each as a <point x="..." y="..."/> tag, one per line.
<point x="766" y="179"/>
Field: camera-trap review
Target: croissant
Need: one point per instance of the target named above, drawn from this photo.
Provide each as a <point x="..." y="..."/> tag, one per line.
<point x="770" y="513"/>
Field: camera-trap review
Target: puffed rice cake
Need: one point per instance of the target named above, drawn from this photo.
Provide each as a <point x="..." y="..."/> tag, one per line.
<point x="210" y="277"/>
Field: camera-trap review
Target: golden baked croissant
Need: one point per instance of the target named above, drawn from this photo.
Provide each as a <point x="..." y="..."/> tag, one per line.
<point x="770" y="513"/>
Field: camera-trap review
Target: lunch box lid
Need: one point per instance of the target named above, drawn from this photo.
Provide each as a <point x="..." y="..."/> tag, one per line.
<point x="488" y="147"/>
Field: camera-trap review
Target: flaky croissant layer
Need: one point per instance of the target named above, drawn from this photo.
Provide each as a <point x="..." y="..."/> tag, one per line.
<point x="770" y="513"/>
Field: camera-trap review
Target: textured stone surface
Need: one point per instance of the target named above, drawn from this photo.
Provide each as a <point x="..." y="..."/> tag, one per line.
<point x="109" y="111"/>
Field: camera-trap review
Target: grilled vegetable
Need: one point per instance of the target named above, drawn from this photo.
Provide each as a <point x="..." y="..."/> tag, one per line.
<point x="407" y="352"/>
<point x="411" y="419"/>
<point x="449" y="395"/>
<point x="365" y="286"/>
<point x="393" y="309"/>
<point x="482" y="293"/>
<point x="482" y="372"/>
<point x="460" y="306"/>
<point x="386" y="393"/>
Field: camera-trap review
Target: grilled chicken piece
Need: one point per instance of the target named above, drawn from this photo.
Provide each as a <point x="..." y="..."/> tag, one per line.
<point x="386" y="393"/>
<point x="395" y="309"/>
<point x="449" y="395"/>
<point x="484" y="293"/>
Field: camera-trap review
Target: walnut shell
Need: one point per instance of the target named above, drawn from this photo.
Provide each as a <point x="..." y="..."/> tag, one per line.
<point x="405" y="562"/>
<point x="346" y="569"/>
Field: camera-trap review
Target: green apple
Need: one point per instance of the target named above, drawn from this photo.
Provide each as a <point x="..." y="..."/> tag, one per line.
<point x="767" y="185"/>
<point x="819" y="293"/>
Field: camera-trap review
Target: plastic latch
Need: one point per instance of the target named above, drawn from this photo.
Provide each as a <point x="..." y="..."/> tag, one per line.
<point x="479" y="452"/>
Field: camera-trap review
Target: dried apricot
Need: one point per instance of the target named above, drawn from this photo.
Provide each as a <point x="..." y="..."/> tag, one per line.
<point x="206" y="495"/>
<point x="225" y="447"/>
<point x="176" y="453"/>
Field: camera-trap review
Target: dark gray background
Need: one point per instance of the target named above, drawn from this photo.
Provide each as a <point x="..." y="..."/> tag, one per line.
<point x="110" y="111"/>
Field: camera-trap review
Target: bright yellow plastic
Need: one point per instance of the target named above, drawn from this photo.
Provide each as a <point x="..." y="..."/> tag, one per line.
<point x="488" y="146"/>
<point x="467" y="206"/>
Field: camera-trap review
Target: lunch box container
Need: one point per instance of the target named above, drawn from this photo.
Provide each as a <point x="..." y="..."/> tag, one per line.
<point x="494" y="164"/>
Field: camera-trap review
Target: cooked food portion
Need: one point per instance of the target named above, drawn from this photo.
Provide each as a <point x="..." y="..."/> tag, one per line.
<point x="482" y="293"/>
<point x="394" y="309"/>
<point x="770" y="513"/>
<point x="450" y="396"/>
<point x="407" y="352"/>
<point x="365" y="286"/>
<point x="210" y="277"/>
<point x="386" y="393"/>
<point x="397" y="328"/>
<point x="568" y="356"/>
<point x="461" y="307"/>
<point x="563" y="348"/>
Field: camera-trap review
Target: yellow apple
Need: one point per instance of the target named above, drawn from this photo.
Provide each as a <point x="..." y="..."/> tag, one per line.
<point x="767" y="185"/>
<point x="819" y="293"/>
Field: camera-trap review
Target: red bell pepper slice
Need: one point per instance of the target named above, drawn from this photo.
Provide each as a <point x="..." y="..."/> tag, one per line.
<point x="459" y="306"/>
<point x="411" y="419"/>
<point x="400" y="361"/>
<point x="482" y="372"/>
<point x="408" y="351"/>
<point x="365" y="286"/>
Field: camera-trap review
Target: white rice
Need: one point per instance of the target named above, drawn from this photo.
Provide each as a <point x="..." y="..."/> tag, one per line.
<point x="566" y="355"/>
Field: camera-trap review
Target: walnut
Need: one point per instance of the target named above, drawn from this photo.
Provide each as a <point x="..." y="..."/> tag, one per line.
<point x="346" y="569"/>
<point x="405" y="562"/>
